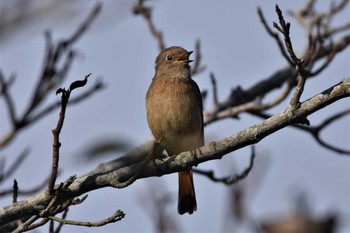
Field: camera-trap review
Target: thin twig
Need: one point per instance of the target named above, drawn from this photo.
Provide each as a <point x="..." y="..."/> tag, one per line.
<point x="337" y="8"/>
<point x="39" y="224"/>
<point x="60" y="225"/>
<point x="279" y="98"/>
<point x="24" y="226"/>
<point x="316" y="131"/>
<point x="30" y="191"/>
<point x="83" y="27"/>
<point x="65" y="94"/>
<point x="8" y="99"/>
<point x="275" y="36"/>
<point x="56" y="144"/>
<point x="99" y="85"/>
<point x="52" y="75"/>
<point x="335" y="30"/>
<point x="230" y="112"/>
<point x="308" y="8"/>
<point x="54" y="71"/>
<point x="197" y="68"/>
<point x="15" y="191"/>
<point x="229" y="180"/>
<point x="295" y="100"/>
<point x="146" y="12"/>
<point x="284" y="28"/>
<point x="77" y="201"/>
<point x="15" y="165"/>
<point x="215" y="90"/>
<point x="51" y="226"/>
<point x="117" y="216"/>
<point x="324" y="65"/>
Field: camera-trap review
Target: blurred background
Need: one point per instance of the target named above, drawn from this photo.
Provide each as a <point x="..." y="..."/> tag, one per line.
<point x="293" y="176"/>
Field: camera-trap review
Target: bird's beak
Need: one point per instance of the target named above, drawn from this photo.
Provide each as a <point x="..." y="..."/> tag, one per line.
<point x="189" y="53"/>
<point x="186" y="59"/>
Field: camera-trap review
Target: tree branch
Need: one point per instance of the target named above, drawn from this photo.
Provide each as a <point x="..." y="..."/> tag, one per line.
<point x="57" y="62"/>
<point x="4" y="85"/>
<point x="65" y="94"/>
<point x="232" y="179"/>
<point x="315" y="131"/>
<point x="14" y="166"/>
<point x="117" y="216"/>
<point x="146" y="12"/>
<point x="120" y="170"/>
<point x="26" y="192"/>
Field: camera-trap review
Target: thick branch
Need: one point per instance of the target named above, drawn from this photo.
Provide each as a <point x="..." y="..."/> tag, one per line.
<point x="117" y="171"/>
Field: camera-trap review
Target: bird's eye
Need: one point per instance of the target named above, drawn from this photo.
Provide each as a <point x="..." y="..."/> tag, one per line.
<point x="169" y="58"/>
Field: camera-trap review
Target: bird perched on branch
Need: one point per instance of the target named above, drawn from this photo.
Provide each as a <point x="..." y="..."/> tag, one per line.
<point x="175" y="116"/>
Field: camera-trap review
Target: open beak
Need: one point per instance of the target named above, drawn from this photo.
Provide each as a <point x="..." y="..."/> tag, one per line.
<point x="189" y="53"/>
<point x="186" y="59"/>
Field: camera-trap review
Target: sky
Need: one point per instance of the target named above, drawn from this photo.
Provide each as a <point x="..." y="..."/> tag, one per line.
<point x="119" y="50"/>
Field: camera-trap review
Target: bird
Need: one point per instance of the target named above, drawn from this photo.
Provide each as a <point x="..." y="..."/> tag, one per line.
<point x="174" y="111"/>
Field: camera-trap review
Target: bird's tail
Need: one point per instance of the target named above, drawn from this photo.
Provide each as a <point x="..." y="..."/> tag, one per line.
<point x="187" y="196"/>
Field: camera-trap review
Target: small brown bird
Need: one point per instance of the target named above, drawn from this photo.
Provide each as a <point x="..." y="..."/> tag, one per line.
<point x="174" y="114"/>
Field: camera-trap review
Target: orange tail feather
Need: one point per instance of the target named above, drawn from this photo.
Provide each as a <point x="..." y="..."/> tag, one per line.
<point x="187" y="196"/>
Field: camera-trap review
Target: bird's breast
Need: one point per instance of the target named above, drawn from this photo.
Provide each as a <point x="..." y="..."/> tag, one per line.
<point x="174" y="113"/>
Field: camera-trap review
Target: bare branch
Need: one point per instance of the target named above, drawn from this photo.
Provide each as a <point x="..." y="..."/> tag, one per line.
<point x="230" y="112"/>
<point x="124" y="171"/>
<point x="24" y="226"/>
<point x="8" y="98"/>
<point x="51" y="226"/>
<point x="15" y="191"/>
<point x="120" y="170"/>
<point x="337" y="8"/>
<point x="74" y="100"/>
<point x="65" y="94"/>
<point x="14" y="166"/>
<point x="36" y="225"/>
<point x="284" y="28"/>
<point x="155" y="151"/>
<point x="215" y="91"/>
<point x="52" y="75"/>
<point x="229" y="180"/>
<point x="197" y="68"/>
<point x="81" y="29"/>
<point x="146" y="12"/>
<point x="308" y="8"/>
<point x="335" y="30"/>
<point x="57" y="62"/>
<point x="324" y="65"/>
<point x="279" y="98"/>
<point x="117" y="216"/>
<point x="64" y="215"/>
<point x="316" y="131"/>
<point x="30" y="191"/>
<point x="275" y="36"/>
